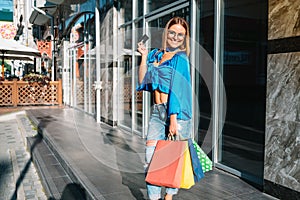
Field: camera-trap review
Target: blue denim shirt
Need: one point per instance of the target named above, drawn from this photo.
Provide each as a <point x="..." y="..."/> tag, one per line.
<point x="171" y="77"/>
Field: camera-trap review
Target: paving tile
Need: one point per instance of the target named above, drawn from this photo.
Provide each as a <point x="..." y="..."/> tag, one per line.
<point x="15" y="170"/>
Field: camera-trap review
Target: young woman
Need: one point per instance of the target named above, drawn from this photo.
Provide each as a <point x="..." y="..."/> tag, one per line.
<point x="166" y="73"/>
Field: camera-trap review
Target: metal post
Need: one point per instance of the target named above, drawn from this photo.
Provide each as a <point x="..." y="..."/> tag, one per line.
<point x="98" y="65"/>
<point x="53" y="47"/>
<point x="3" y="78"/>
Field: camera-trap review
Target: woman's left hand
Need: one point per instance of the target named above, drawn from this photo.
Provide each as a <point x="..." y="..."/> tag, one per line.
<point x="173" y="128"/>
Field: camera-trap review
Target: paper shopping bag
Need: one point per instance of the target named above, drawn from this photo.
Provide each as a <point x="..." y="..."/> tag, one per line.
<point x="165" y="168"/>
<point x="206" y="163"/>
<point x="197" y="167"/>
<point x="187" y="179"/>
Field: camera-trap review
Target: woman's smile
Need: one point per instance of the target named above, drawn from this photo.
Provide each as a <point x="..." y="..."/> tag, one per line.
<point x="176" y="36"/>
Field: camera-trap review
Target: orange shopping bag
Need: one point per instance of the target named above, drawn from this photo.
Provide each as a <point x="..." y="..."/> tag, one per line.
<point x="166" y="165"/>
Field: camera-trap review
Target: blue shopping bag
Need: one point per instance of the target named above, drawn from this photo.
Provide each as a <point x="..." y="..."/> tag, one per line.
<point x="197" y="167"/>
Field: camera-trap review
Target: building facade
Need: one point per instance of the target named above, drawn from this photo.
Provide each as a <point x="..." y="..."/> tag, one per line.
<point x="245" y="75"/>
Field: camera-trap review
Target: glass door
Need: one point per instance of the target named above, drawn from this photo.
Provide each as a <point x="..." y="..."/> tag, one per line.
<point x="204" y="74"/>
<point x="125" y="78"/>
<point x="242" y="62"/>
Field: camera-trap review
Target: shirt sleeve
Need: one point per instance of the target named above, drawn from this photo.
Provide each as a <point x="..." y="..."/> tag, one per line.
<point x="146" y="83"/>
<point x="180" y="96"/>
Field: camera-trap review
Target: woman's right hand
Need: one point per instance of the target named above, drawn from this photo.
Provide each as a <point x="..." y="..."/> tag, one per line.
<point x="143" y="65"/>
<point x="142" y="49"/>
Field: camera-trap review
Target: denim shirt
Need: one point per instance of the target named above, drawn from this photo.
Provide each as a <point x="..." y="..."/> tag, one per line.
<point x="173" y="78"/>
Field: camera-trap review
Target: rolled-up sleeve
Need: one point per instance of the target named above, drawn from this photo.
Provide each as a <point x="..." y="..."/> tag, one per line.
<point x="146" y="83"/>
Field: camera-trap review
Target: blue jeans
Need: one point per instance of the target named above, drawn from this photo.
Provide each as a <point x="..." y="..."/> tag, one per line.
<point x="158" y="130"/>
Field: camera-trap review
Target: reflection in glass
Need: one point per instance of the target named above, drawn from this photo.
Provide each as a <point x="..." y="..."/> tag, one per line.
<point x="125" y="80"/>
<point x="204" y="47"/>
<point x="154" y="5"/>
<point x="140" y="7"/>
<point x="244" y="57"/>
<point x="138" y="95"/>
<point x="79" y="69"/>
<point x="91" y="78"/>
<point x="126" y="91"/>
<point x="82" y="61"/>
<point x="125" y="9"/>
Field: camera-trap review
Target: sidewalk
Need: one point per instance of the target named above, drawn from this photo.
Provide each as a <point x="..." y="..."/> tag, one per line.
<point x="100" y="162"/>
<point x="18" y="176"/>
<point x="76" y="158"/>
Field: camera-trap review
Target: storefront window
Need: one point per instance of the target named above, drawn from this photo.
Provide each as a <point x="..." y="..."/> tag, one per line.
<point x="203" y="68"/>
<point x="140" y="7"/>
<point x="138" y="95"/>
<point x="125" y="81"/>
<point x="82" y="38"/>
<point x="155" y="5"/>
<point x="79" y="69"/>
<point x="126" y="91"/>
<point x="244" y="64"/>
<point x="126" y="10"/>
<point x="91" y="65"/>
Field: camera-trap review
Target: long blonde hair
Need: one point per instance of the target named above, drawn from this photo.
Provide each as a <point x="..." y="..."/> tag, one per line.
<point x="177" y="20"/>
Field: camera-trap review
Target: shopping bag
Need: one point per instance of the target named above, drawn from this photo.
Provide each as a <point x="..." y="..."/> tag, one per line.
<point x="165" y="168"/>
<point x="196" y="165"/>
<point x="187" y="179"/>
<point x="206" y="163"/>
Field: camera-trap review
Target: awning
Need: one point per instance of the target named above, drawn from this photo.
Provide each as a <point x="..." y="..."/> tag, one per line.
<point x="18" y="57"/>
<point x="12" y="47"/>
<point x="39" y="18"/>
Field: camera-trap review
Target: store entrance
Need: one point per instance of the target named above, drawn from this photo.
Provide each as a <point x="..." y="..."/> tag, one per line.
<point x="234" y="35"/>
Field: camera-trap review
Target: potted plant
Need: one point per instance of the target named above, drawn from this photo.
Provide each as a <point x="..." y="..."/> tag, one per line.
<point x="41" y="80"/>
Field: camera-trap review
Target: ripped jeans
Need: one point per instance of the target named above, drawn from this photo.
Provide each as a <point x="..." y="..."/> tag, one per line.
<point x="158" y="130"/>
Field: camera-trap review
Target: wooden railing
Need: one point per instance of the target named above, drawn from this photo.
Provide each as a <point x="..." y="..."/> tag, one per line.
<point x="14" y="93"/>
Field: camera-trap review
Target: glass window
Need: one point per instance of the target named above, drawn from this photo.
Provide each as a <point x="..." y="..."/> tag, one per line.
<point x="140" y="7"/>
<point x="91" y="65"/>
<point x="125" y="111"/>
<point x="138" y="94"/>
<point x="204" y="50"/>
<point x="79" y="68"/>
<point x="244" y="64"/>
<point x="126" y="10"/>
<point x="128" y="37"/>
<point x="154" y="5"/>
<point x="83" y="33"/>
<point x="125" y="80"/>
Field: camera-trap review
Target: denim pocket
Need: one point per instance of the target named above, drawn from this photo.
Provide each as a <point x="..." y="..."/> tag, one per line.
<point x="162" y="112"/>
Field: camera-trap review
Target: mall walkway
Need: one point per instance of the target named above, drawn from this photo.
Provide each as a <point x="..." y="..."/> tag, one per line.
<point x="80" y="159"/>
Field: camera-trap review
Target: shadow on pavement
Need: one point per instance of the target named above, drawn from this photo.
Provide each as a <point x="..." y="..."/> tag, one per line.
<point x="72" y="191"/>
<point x="38" y="139"/>
<point x="134" y="181"/>
<point x="4" y="169"/>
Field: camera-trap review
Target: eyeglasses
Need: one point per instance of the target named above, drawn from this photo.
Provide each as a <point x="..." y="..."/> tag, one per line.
<point x="172" y="34"/>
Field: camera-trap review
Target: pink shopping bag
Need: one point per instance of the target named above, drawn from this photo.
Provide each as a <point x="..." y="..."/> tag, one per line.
<point x="166" y="165"/>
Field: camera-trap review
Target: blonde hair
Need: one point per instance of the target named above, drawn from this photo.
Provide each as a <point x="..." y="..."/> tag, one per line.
<point x="186" y="44"/>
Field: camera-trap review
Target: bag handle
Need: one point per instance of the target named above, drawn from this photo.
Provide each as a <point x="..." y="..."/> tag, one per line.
<point x="173" y="137"/>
